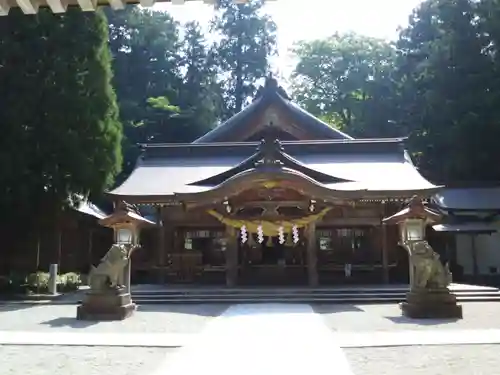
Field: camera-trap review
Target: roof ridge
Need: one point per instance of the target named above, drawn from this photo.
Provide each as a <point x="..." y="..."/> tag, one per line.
<point x="268" y="94"/>
<point x="256" y="143"/>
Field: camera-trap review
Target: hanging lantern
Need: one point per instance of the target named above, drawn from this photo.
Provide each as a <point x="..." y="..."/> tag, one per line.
<point x="228" y="207"/>
<point x="312" y="206"/>
<point x="244" y="234"/>
<point x="260" y="234"/>
<point x="281" y="236"/>
<point x="295" y="234"/>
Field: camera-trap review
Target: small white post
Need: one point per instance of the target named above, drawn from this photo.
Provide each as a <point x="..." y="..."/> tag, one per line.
<point x="53" y="279"/>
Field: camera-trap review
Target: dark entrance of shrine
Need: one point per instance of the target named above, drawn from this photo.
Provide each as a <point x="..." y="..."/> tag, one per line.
<point x="272" y="263"/>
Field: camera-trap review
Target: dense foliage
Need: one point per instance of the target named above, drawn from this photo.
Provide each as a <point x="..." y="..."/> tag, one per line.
<point x="61" y="132"/>
<point x="438" y="84"/>
<point x="247" y="41"/>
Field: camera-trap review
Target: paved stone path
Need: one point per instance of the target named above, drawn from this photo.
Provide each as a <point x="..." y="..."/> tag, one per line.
<point x="261" y="339"/>
<point x="147" y="340"/>
<point x="175" y="339"/>
<point x="411" y="338"/>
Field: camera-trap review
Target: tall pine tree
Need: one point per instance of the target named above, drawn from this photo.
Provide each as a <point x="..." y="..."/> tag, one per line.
<point x="61" y="133"/>
<point x="247" y="41"/>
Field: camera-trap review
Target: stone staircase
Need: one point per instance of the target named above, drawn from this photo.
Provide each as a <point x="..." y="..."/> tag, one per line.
<point x="154" y="294"/>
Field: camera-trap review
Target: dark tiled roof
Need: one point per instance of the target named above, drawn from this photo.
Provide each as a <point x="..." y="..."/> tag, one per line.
<point x="377" y="165"/>
<point x="269" y="152"/>
<point x="246" y="149"/>
<point x="468" y="199"/>
<point x="272" y="94"/>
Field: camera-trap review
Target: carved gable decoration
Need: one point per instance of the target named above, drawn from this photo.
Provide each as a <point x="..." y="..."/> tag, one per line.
<point x="272" y="106"/>
<point x="276" y="118"/>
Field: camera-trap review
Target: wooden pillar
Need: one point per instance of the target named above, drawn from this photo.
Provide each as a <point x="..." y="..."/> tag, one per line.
<point x="231" y="254"/>
<point x="161" y="246"/>
<point x="385" y="255"/>
<point x="90" y="246"/>
<point x="475" y="268"/>
<point x="312" y="256"/>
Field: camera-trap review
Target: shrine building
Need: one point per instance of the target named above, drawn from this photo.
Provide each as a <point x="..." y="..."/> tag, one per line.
<point x="272" y="196"/>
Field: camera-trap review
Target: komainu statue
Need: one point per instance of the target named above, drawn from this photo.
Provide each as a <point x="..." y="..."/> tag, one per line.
<point x="107" y="273"/>
<point x="428" y="271"/>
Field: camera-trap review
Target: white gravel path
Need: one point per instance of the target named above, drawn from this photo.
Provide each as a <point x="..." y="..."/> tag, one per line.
<point x="45" y="360"/>
<point x="422" y="360"/>
<point x="148" y="319"/>
<point x="269" y="338"/>
<point x="364" y="318"/>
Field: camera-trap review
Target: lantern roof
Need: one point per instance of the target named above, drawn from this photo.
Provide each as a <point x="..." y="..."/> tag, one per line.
<point x="125" y="213"/>
<point x="416" y="209"/>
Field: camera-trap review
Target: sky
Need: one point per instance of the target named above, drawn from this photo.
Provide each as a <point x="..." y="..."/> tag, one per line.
<point x="319" y="18"/>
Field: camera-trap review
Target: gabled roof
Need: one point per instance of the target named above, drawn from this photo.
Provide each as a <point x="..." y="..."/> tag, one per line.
<point x="272" y="95"/>
<point x="469" y="227"/>
<point x="125" y="213"/>
<point x="165" y="170"/>
<point x="416" y="209"/>
<point x="269" y="152"/>
<point x="468" y="199"/>
<point x="88" y="208"/>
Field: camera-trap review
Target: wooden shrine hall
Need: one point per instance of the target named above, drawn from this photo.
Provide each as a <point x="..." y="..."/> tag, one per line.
<point x="272" y="196"/>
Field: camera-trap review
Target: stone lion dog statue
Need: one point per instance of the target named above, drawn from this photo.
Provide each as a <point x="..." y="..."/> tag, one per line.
<point x="107" y="273"/>
<point x="429" y="272"/>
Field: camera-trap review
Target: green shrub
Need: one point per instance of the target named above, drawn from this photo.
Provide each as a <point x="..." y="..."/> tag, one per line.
<point x="68" y="282"/>
<point x="38" y="282"/>
<point x="13" y="283"/>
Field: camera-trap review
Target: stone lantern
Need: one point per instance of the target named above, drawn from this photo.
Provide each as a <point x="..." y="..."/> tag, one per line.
<point x="109" y="296"/>
<point x="126" y="223"/>
<point x="429" y="296"/>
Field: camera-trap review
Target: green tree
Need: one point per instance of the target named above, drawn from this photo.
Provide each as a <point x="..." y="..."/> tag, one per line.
<point x="347" y="80"/>
<point x="449" y="90"/>
<point x="201" y="92"/>
<point x="61" y="134"/>
<point x="165" y="83"/>
<point x="145" y="48"/>
<point x="247" y="41"/>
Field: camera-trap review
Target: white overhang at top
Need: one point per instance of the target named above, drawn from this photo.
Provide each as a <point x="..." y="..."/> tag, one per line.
<point x="370" y="172"/>
<point x="60" y="6"/>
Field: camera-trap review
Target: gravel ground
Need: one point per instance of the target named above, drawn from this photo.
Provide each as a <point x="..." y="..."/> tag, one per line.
<point x="421" y="360"/>
<point x="148" y="319"/>
<point x="45" y="360"/>
<point x="477" y="315"/>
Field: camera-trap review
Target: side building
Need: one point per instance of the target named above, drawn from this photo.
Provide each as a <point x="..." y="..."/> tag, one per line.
<point x="469" y="237"/>
<point x="272" y="196"/>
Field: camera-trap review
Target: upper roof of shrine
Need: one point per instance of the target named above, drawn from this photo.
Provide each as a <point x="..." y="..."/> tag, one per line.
<point x="373" y="168"/>
<point x="295" y="148"/>
<point x="272" y="106"/>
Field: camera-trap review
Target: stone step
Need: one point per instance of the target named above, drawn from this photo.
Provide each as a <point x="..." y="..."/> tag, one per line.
<point x="367" y="298"/>
<point x="319" y="291"/>
<point x="294" y="294"/>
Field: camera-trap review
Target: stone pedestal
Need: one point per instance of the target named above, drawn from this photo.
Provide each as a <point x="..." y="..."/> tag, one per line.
<point x="113" y="304"/>
<point x="431" y="304"/>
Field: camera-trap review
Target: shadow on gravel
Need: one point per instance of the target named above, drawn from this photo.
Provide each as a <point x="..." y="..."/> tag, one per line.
<point x="420" y="322"/>
<point x="69" y="322"/>
<point x="210" y="310"/>
<point x="333" y="308"/>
